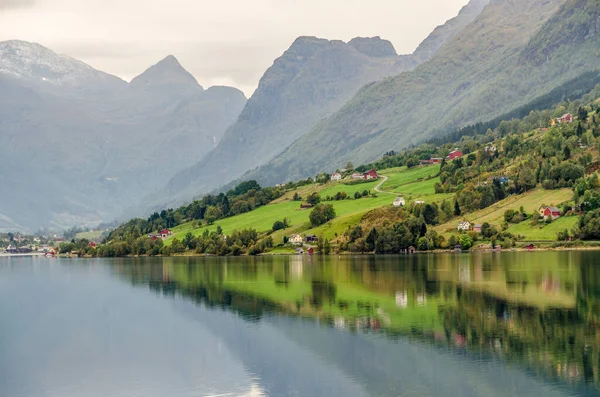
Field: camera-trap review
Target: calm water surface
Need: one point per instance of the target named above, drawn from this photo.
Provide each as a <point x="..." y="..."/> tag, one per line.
<point x="448" y="325"/>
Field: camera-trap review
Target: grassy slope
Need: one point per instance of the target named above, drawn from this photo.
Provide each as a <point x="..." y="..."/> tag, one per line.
<point x="494" y="214"/>
<point x="543" y="232"/>
<point x="349" y="212"/>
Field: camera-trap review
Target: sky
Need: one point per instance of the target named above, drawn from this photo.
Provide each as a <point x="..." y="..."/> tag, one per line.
<point x="224" y="42"/>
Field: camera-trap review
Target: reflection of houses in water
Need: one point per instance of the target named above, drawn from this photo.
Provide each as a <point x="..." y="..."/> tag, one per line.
<point x="464" y="272"/>
<point x="167" y="271"/>
<point x="549" y="284"/>
<point x="339" y="322"/>
<point x="296" y="267"/>
<point x="384" y="316"/>
<point x="402" y="299"/>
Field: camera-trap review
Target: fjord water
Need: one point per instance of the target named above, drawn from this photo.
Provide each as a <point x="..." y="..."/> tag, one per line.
<point x="509" y="324"/>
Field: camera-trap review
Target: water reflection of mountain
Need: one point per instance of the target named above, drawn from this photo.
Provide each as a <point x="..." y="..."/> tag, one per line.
<point x="537" y="310"/>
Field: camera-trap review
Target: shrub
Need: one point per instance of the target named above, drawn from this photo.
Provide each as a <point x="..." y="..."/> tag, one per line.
<point x="321" y="214"/>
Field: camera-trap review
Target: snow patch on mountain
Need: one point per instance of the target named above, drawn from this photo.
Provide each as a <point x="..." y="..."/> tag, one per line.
<point x="34" y="62"/>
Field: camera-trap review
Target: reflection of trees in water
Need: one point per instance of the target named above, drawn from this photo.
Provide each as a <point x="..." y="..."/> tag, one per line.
<point x="563" y="343"/>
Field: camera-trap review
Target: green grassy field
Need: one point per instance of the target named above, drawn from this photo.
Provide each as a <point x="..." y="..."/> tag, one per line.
<point x="494" y="214"/>
<point x="349" y="212"/>
<point x="543" y="232"/>
<point x="402" y="176"/>
<point x="414" y="184"/>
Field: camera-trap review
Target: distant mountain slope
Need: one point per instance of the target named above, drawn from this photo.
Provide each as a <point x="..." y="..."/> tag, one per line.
<point x="78" y="145"/>
<point x="483" y="72"/>
<point x="309" y="82"/>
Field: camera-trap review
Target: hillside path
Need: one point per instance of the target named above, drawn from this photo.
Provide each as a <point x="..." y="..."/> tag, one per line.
<point x="377" y="188"/>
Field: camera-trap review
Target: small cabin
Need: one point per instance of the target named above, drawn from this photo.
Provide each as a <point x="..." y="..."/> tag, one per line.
<point x="477" y="228"/>
<point x="311" y="238"/>
<point x="296" y="239"/>
<point x="399" y="202"/>
<point x="336" y="176"/>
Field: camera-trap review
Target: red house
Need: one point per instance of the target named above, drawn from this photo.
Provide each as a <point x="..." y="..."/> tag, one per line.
<point x="566" y="118"/>
<point x="370" y="175"/>
<point x="310" y="251"/>
<point x="165" y="233"/>
<point x="550" y="212"/>
<point x="92" y="244"/>
<point x="454" y="154"/>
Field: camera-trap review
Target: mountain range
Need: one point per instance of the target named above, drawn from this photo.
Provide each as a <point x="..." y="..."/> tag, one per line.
<point x="79" y="144"/>
<point x="82" y="146"/>
<point x="311" y="81"/>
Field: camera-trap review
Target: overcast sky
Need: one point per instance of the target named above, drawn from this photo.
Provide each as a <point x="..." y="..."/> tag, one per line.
<point x="221" y="42"/>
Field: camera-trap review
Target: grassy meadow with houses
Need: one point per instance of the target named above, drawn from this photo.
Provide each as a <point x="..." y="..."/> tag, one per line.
<point x="413" y="184"/>
<point x="511" y="183"/>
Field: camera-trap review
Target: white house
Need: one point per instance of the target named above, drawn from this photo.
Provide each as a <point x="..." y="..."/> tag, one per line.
<point x="296" y="239"/>
<point x="399" y="202"/>
<point x="464" y="226"/>
<point x="336" y="176"/>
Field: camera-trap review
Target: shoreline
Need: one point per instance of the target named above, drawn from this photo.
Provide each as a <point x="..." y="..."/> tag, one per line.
<point x="5" y="255"/>
<point x="472" y="251"/>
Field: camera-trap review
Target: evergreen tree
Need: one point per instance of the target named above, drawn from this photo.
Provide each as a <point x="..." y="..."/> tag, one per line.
<point x="372" y="239"/>
<point x="457" y="211"/>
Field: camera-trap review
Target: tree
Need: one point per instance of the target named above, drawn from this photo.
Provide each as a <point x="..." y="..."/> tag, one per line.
<point x="457" y="211"/>
<point x="526" y="179"/>
<point x="212" y="214"/>
<point x="349" y="166"/>
<point x="567" y="152"/>
<point x="278" y="225"/>
<point x="297" y="197"/>
<point x="188" y="240"/>
<point x="314" y="199"/>
<point x="219" y="230"/>
<point x="431" y="214"/>
<point x="466" y="241"/>
<point x="372" y="239"/>
<point x="326" y="247"/>
<point x="321" y="214"/>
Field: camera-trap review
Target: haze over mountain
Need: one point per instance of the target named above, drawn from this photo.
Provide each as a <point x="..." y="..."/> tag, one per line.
<point x="309" y="82"/>
<point x="78" y="145"/>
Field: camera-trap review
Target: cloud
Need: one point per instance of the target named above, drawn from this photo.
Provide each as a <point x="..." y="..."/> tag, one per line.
<point x="14" y="4"/>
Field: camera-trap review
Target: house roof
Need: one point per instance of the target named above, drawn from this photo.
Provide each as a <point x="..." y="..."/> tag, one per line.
<point x="554" y="209"/>
<point x="477" y="225"/>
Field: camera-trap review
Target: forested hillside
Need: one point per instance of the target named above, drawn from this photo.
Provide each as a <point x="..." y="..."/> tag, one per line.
<point x="485" y="71"/>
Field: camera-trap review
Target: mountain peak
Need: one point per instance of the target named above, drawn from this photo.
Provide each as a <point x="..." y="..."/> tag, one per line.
<point x="374" y="46"/>
<point x="166" y="73"/>
<point x="38" y="64"/>
<point x="443" y="33"/>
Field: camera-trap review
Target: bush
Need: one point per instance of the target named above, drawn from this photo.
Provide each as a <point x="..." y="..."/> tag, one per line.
<point x="321" y="214"/>
<point x="278" y="225"/>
